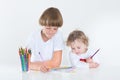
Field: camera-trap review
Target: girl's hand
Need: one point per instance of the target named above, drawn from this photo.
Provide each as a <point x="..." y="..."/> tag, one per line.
<point x="89" y="60"/>
<point x="93" y="65"/>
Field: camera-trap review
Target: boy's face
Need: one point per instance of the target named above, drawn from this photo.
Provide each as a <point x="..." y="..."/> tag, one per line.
<point x="50" y="31"/>
<point x="78" y="47"/>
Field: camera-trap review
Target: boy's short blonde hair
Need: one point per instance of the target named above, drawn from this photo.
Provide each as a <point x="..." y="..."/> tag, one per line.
<point x="51" y="17"/>
<point x="77" y="35"/>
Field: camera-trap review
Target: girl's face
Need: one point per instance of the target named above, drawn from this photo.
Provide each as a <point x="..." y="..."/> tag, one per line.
<point x="49" y="32"/>
<point x="78" y="47"/>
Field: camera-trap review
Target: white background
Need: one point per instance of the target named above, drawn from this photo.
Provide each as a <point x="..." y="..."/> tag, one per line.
<point x="99" y="19"/>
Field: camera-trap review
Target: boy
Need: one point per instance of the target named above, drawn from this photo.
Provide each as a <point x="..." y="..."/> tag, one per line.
<point x="46" y="51"/>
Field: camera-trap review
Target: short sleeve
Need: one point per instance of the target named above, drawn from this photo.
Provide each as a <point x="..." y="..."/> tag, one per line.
<point x="58" y="41"/>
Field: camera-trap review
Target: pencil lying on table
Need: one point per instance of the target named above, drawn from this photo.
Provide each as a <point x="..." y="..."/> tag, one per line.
<point x="62" y="68"/>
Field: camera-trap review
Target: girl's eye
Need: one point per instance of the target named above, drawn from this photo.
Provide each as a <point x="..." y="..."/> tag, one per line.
<point x="73" y="48"/>
<point x="78" y="47"/>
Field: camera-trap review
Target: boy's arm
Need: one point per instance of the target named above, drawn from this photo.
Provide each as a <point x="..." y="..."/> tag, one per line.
<point x="55" y="61"/>
<point x="46" y="65"/>
<point x="35" y="65"/>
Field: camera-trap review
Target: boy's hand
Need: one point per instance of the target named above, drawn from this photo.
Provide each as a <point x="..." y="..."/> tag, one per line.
<point x="39" y="66"/>
<point x="43" y="68"/>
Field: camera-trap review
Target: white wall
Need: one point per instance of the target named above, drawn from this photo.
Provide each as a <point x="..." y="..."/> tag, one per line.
<point x="99" y="19"/>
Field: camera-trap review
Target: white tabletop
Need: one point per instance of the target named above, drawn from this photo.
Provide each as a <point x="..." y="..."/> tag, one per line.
<point x="101" y="73"/>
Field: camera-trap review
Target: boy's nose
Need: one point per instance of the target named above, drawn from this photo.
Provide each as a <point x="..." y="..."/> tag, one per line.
<point x="52" y="31"/>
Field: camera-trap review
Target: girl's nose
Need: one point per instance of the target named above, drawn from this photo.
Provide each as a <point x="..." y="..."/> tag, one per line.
<point x="77" y="51"/>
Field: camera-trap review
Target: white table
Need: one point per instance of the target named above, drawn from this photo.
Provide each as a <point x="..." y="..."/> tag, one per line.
<point x="101" y="73"/>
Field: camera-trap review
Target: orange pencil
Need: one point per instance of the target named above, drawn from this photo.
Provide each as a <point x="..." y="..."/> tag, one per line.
<point x="29" y="58"/>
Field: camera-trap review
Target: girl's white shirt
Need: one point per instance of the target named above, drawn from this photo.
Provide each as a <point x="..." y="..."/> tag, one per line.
<point x="44" y="50"/>
<point x="75" y="59"/>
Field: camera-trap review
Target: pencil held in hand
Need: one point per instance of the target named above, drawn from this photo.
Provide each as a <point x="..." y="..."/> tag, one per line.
<point x="94" y="53"/>
<point x="84" y="60"/>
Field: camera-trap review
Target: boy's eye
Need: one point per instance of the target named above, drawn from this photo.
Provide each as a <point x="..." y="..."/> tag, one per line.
<point x="55" y="29"/>
<point x="47" y="28"/>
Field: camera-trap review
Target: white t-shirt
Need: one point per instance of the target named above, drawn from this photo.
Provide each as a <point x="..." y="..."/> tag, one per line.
<point x="75" y="59"/>
<point x="44" y="50"/>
